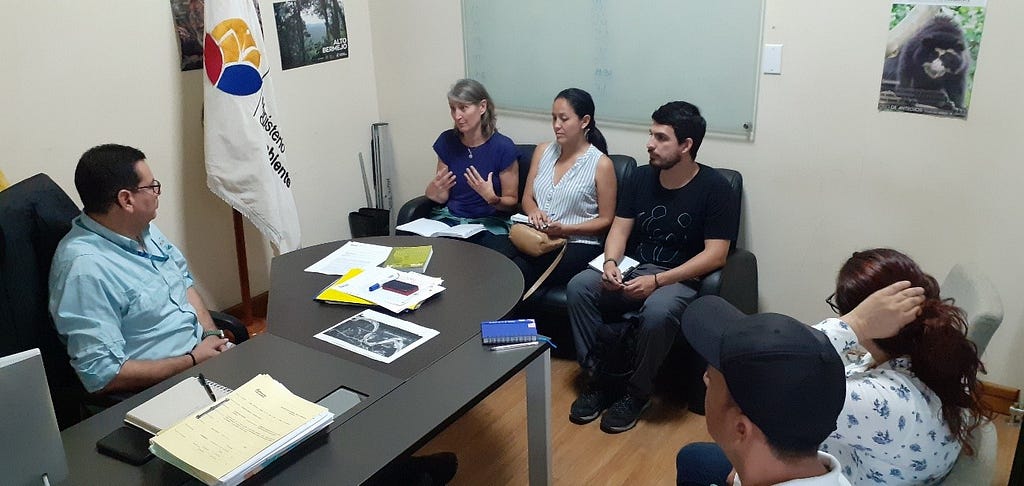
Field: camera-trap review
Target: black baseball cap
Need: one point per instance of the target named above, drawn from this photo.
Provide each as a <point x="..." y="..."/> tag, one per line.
<point x="784" y="375"/>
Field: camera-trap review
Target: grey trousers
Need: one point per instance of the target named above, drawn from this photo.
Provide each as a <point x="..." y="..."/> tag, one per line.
<point x="659" y="322"/>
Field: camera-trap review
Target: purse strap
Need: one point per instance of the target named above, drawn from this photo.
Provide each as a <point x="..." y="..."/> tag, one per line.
<point x="547" y="273"/>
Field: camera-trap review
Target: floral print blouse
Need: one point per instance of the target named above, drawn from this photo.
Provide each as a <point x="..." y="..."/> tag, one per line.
<point x="891" y="429"/>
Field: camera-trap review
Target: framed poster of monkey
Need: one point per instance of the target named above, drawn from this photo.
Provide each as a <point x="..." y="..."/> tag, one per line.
<point x="930" y="56"/>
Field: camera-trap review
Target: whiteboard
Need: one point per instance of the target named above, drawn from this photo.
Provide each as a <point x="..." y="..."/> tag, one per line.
<point x="631" y="56"/>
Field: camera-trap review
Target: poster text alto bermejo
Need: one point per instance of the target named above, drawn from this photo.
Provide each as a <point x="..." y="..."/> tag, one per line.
<point x="274" y="155"/>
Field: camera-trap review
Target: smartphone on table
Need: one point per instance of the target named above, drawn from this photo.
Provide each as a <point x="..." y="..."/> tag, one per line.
<point x="399" y="287"/>
<point x="127" y="444"/>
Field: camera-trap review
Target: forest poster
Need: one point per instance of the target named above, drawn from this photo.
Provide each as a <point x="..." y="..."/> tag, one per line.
<point x="310" y="32"/>
<point x="930" y="56"/>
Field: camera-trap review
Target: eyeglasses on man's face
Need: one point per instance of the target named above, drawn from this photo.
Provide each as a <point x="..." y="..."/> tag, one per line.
<point x="155" y="187"/>
<point x="831" y="301"/>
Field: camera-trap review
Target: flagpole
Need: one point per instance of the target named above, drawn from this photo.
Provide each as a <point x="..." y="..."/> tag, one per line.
<point x="255" y="325"/>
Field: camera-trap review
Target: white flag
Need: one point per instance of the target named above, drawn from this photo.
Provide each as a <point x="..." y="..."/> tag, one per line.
<point x="245" y="151"/>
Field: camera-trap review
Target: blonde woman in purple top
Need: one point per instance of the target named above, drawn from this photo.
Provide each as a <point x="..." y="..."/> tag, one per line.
<point x="477" y="176"/>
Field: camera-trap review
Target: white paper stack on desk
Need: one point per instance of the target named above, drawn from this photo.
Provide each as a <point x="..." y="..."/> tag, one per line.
<point x="351" y="255"/>
<point x="239" y="435"/>
<point x="368" y="285"/>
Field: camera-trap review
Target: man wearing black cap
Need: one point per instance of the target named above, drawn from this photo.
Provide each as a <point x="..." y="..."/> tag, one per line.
<point x="774" y="390"/>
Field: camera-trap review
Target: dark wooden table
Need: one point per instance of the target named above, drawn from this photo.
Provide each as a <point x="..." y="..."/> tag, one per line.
<point x="407" y="402"/>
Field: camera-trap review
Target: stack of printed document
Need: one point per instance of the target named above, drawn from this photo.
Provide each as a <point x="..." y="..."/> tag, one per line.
<point x="377" y="286"/>
<point x="241" y="433"/>
<point x="351" y="255"/>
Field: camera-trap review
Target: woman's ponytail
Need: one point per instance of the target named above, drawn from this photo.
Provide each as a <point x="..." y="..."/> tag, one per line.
<point x="596" y="138"/>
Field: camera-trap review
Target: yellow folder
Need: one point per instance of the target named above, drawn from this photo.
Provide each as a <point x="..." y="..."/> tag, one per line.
<point x="332" y="295"/>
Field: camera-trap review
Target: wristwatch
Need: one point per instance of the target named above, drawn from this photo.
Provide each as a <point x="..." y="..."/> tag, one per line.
<point x="216" y="332"/>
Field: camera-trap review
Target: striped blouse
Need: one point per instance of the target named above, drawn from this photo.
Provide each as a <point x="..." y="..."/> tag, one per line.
<point x="574" y="199"/>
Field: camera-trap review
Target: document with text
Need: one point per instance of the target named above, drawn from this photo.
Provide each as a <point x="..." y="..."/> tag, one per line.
<point x="369" y="285"/>
<point x="240" y="434"/>
<point x="351" y="255"/>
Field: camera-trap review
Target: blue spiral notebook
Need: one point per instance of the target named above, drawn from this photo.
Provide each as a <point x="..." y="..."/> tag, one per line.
<point x="508" y="332"/>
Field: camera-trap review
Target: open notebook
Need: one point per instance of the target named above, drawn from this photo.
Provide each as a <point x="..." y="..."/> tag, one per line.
<point x="174" y="404"/>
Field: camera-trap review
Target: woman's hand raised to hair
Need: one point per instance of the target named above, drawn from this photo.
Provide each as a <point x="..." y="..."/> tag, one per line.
<point x="885" y="312"/>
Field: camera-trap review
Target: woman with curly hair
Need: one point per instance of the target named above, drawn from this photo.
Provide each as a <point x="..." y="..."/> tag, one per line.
<point x="912" y="394"/>
<point x="912" y="389"/>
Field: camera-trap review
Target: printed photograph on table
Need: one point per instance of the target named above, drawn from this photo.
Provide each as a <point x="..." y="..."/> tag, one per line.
<point x="931" y="55"/>
<point x="310" y="32"/>
<point x="377" y="336"/>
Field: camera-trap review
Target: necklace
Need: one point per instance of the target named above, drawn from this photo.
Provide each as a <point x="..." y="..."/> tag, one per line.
<point x="469" y="149"/>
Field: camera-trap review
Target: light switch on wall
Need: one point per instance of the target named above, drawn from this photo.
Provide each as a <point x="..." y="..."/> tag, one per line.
<point x="772" y="59"/>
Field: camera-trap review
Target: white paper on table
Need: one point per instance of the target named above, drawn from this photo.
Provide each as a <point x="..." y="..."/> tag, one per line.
<point x="373" y="277"/>
<point x="351" y="255"/>
<point x="420" y="279"/>
<point x="377" y="336"/>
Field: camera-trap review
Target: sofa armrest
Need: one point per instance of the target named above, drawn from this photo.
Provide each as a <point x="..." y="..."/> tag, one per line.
<point x="736" y="282"/>
<point x="415" y="208"/>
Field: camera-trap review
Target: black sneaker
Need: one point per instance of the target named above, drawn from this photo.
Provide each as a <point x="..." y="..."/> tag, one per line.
<point x="430" y="470"/>
<point x="589" y="405"/>
<point x="623" y="414"/>
<point x="439" y="468"/>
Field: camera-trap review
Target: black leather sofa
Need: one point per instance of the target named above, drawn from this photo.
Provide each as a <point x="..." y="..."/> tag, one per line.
<point x="420" y="207"/>
<point x="736" y="282"/>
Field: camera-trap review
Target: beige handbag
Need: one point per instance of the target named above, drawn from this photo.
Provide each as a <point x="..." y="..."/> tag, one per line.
<point x="535" y="243"/>
<point x="532" y="241"/>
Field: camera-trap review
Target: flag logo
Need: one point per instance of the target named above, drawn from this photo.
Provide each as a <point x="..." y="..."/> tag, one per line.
<point x="232" y="59"/>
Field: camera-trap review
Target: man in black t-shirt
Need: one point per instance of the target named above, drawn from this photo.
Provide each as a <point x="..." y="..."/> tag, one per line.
<point x="676" y="218"/>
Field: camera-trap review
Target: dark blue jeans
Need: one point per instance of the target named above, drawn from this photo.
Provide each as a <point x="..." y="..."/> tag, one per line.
<point x="702" y="464"/>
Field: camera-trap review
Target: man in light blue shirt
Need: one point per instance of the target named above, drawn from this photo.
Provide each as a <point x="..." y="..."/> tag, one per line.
<point x="121" y="294"/>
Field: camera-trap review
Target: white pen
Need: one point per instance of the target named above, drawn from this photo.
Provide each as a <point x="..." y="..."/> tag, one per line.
<point x="514" y="346"/>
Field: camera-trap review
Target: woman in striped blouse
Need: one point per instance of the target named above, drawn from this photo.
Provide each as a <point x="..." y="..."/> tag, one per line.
<point x="570" y="189"/>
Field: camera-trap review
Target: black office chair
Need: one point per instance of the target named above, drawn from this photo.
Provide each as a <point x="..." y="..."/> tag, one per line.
<point x="34" y="215"/>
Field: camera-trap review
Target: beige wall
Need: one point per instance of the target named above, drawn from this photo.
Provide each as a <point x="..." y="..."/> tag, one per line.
<point x="77" y="74"/>
<point x="827" y="175"/>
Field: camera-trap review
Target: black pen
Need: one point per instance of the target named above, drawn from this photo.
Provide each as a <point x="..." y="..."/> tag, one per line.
<point x="202" y="379"/>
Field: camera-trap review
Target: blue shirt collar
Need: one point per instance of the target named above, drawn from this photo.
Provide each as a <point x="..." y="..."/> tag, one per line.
<point x="125" y="243"/>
